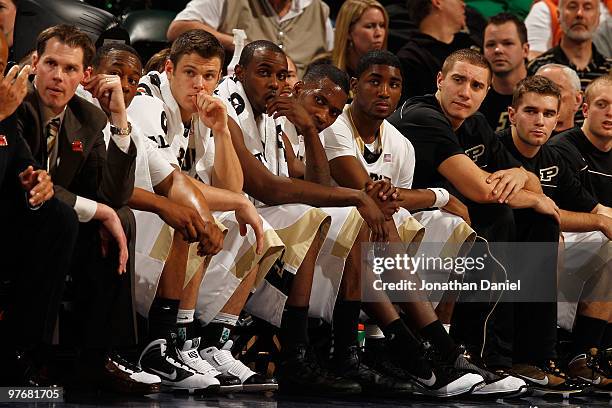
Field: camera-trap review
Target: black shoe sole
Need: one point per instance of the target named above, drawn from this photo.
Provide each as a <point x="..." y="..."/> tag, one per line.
<point x="545" y="392"/>
<point x="301" y="390"/>
<point x="227" y="389"/>
<point x="210" y="390"/>
<point x="259" y="387"/>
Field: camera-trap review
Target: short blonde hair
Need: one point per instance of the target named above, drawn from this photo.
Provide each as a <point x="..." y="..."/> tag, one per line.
<point x="604" y="80"/>
<point x="350" y="12"/>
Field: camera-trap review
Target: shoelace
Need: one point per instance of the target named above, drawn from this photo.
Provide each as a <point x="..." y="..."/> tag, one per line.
<point x="482" y="371"/>
<point x="605" y="361"/>
<point x="550" y="367"/>
<point x="177" y="361"/>
<point x="592" y="362"/>
<point x="236" y="367"/>
<point x="194" y="360"/>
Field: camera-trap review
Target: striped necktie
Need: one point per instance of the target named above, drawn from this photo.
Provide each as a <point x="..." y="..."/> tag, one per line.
<point x="52" y="131"/>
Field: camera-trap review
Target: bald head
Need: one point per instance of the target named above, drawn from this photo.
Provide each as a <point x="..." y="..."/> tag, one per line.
<point x="3" y="53"/>
<point x="568" y="83"/>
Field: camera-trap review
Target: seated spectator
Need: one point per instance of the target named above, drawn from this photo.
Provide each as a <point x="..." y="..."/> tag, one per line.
<point x="361" y="26"/>
<point x="603" y="38"/>
<point x="321" y="59"/>
<point x="506" y="48"/>
<point x="301" y="28"/>
<point x="158" y="61"/>
<point x="489" y="8"/>
<point x="292" y="76"/>
<point x="440" y="25"/>
<point x="402" y="27"/>
<point x="65" y="135"/>
<point x="543" y="25"/>
<point x="8" y="12"/>
<point x="568" y="83"/>
<point x="578" y="20"/>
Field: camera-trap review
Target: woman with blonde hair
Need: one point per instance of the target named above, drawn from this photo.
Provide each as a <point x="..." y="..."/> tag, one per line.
<point x="361" y="26"/>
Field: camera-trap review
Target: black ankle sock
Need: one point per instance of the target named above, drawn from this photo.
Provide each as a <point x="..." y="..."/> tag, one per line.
<point x="346" y="319"/>
<point x="437" y="335"/>
<point x="162" y="318"/>
<point x="401" y="339"/>
<point x="185" y="331"/>
<point x="214" y="334"/>
<point x="606" y="341"/>
<point x="588" y="333"/>
<point x="294" y="327"/>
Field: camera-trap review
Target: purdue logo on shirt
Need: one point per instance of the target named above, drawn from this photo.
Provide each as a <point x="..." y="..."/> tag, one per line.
<point x="549" y="173"/>
<point x="475" y="152"/>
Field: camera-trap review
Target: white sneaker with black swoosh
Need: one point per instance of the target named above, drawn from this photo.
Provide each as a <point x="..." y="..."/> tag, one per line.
<point x="432" y="376"/>
<point x="190" y="356"/>
<point x="160" y="359"/>
<point x="497" y="385"/>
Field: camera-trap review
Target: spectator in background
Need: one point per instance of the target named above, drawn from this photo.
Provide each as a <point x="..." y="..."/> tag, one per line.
<point x="361" y="26"/>
<point x="506" y="49"/>
<point x="324" y="58"/>
<point x="543" y="25"/>
<point x="603" y="38"/>
<point x="568" y="83"/>
<point x="440" y="23"/>
<point x="402" y="28"/>
<point x="8" y="11"/>
<point x="489" y="8"/>
<point x="301" y="28"/>
<point x="292" y="76"/>
<point x="578" y="20"/>
<point x="158" y="61"/>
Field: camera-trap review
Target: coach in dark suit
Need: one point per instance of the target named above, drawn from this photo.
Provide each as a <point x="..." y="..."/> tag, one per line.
<point x="33" y="262"/>
<point x="64" y="133"/>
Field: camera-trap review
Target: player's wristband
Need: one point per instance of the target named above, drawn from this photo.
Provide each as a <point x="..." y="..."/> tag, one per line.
<point x="442" y="197"/>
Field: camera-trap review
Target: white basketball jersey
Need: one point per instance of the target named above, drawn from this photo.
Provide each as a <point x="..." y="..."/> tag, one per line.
<point x="192" y="147"/>
<point x="396" y="159"/>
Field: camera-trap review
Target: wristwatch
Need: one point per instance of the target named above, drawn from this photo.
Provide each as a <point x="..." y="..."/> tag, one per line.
<point x="121" y="131"/>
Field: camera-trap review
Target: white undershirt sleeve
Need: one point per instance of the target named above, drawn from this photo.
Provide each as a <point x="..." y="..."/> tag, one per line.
<point x="539" y="31"/>
<point x="208" y="12"/>
<point x="85" y="208"/>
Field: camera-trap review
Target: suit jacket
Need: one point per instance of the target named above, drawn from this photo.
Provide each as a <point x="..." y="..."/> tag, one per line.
<point x="15" y="156"/>
<point x="86" y="168"/>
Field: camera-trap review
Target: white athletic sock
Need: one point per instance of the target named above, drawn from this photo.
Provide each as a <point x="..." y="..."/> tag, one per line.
<point x="225" y="318"/>
<point x="185" y="315"/>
